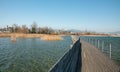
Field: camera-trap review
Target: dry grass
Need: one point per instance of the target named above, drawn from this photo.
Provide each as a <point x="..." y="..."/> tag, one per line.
<point x="51" y="37"/>
<point x="13" y="36"/>
<point x="19" y="35"/>
<point x="5" y="35"/>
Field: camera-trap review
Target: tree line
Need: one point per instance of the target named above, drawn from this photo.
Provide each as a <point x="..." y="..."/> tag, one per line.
<point x="34" y="29"/>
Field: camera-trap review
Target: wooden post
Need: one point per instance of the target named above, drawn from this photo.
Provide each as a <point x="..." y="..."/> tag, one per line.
<point x="92" y="41"/>
<point x="98" y="43"/>
<point x="88" y="40"/>
<point x="110" y="50"/>
<point x="95" y="42"/>
<point x="102" y="46"/>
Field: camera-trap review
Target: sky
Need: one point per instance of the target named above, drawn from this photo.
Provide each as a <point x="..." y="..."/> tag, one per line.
<point x="91" y="15"/>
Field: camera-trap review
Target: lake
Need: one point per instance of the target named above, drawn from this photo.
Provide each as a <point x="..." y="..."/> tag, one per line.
<point x="104" y="45"/>
<point x="31" y="54"/>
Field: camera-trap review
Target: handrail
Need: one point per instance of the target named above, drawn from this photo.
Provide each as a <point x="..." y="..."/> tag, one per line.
<point x="70" y="61"/>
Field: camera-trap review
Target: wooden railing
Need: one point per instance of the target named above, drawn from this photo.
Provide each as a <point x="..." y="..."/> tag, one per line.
<point x="71" y="61"/>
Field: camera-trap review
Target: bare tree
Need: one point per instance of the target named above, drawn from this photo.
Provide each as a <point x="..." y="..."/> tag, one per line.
<point x="24" y="29"/>
<point x="14" y="28"/>
<point x="34" y="28"/>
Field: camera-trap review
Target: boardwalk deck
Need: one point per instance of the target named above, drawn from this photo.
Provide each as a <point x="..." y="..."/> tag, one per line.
<point x="93" y="60"/>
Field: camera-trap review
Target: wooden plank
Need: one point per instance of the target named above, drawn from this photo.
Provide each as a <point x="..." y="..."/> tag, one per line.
<point x="93" y="60"/>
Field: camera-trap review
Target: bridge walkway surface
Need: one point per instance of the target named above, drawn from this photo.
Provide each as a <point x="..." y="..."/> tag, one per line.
<point x="84" y="57"/>
<point x="93" y="60"/>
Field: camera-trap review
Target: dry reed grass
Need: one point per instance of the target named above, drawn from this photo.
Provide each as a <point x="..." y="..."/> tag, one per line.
<point x="51" y="37"/>
<point x="13" y="36"/>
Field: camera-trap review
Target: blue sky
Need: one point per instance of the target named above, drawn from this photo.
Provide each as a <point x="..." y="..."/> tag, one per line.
<point x="93" y="15"/>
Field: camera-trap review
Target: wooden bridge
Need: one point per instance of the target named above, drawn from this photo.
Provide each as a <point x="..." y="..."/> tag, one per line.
<point x="93" y="60"/>
<point x="84" y="57"/>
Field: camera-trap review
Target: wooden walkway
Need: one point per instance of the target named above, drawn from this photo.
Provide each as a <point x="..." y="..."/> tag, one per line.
<point x="93" y="60"/>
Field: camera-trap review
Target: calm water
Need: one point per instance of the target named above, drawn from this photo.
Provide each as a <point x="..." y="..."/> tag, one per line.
<point x="31" y="54"/>
<point x="115" y="45"/>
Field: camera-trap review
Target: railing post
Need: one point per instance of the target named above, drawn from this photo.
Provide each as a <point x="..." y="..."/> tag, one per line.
<point x="95" y="42"/>
<point x="102" y="46"/>
<point x="98" y="43"/>
<point x="92" y="41"/>
<point x="110" y="50"/>
<point x="88" y="40"/>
